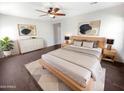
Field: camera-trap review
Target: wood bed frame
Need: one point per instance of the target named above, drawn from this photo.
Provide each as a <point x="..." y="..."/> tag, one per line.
<point x="66" y="79"/>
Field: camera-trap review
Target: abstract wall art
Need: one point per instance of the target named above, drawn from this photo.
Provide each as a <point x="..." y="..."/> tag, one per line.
<point x="89" y="28"/>
<point x="27" y="30"/>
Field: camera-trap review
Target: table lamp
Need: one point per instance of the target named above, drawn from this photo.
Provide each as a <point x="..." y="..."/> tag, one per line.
<point x="66" y="39"/>
<point x="110" y="42"/>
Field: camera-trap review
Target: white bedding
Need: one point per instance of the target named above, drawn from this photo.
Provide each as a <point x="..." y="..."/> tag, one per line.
<point x="77" y="73"/>
<point x="95" y="51"/>
<point x="78" y="63"/>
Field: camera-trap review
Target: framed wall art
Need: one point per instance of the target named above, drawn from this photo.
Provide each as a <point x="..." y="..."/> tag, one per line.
<point x="27" y="30"/>
<point x="89" y="28"/>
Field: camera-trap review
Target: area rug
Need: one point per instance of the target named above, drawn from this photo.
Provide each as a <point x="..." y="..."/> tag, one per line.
<point x="48" y="82"/>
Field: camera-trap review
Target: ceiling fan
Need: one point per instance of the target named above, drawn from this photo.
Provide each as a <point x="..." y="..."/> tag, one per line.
<point x="52" y="12"/>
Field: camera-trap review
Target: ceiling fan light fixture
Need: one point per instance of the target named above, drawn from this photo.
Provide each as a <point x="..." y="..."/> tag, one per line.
<point x="52" y="15"/>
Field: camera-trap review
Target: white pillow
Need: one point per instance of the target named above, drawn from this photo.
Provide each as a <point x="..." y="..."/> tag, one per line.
<point x="88" y="44"/>
<point x="77" y="43"/>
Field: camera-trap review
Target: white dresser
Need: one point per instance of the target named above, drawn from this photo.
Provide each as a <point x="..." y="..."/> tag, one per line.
<point x="27" y="45"/>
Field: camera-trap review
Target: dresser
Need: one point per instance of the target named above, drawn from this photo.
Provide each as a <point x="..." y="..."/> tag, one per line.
<point x="27" y="45"/>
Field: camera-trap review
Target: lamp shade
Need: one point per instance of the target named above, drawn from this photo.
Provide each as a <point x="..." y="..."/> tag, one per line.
<point x="110" y="41"/>
<point x="66" y="37"/>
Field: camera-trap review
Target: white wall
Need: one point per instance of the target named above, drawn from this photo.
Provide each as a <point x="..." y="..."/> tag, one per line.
<point x="8" y="27"/>
<point x="112" y="25"/>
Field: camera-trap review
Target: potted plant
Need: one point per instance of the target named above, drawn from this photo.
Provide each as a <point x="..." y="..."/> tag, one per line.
<point x="6" y="45"/>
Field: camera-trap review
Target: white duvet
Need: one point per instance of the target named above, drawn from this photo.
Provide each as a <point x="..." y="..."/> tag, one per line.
<point x="78" y="63"/>
<point x="93" y="51"/>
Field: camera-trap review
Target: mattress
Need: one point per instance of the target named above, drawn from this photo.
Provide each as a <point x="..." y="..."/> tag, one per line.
<point x="78" y="64"/>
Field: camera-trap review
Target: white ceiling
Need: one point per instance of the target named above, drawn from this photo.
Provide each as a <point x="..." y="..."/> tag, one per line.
<point x="28" y="10"/>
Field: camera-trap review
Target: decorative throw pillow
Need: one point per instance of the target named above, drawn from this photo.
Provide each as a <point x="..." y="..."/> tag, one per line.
<point x="77" y="43"/>
<point x="88" y="44"/>
<point x="95" y="45"/>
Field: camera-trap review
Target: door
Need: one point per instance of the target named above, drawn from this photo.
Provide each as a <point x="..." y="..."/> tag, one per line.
<point x="57" y="33"/>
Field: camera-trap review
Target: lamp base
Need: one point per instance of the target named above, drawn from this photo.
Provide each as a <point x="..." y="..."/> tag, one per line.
<point x="66" y="42"/>
<point x="109" y="46"/>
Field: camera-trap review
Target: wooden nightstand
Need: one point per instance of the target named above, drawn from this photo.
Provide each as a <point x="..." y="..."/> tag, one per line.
<point x="64" y="45"/>
<point x="109" y="55"/>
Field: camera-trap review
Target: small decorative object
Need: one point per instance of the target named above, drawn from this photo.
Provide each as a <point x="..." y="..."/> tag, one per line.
<point x="89" y="28"/>
<point x="110" y="42"/>
<point x="33" y="37"/>
<point x="6" y="45"/>
<point x="66" y="39"/>
<point x="27" y="30"/>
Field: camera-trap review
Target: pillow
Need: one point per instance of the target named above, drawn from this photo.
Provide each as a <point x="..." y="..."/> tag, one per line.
<point x="95" y="45"/>
<point x="77" y="43"/>
<point x="88" y="44"/>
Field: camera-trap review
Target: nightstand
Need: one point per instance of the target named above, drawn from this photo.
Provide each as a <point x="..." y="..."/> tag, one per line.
<point x="64" y="45"/>
<point x="109" y="55"/>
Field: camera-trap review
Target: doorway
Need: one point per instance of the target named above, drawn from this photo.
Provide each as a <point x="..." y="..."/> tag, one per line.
<point x="57" y="33"/>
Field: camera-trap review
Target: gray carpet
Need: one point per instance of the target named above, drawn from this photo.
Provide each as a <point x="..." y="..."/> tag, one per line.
<point x="48" y="82"/>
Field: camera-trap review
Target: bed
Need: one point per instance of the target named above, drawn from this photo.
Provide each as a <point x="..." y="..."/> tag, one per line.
<point x="78" y="67"/>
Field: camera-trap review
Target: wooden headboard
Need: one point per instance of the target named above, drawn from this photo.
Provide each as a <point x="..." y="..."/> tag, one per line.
<point x="101" y="40"/>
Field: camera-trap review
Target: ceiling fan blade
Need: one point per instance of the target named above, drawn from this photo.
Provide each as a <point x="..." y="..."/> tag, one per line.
<point x="59" y="14"/>
<point x="44" y="15"/>
<point x="50" y="10"/>
<point x="56" y="10"/>
<point x="41" y="11"/>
